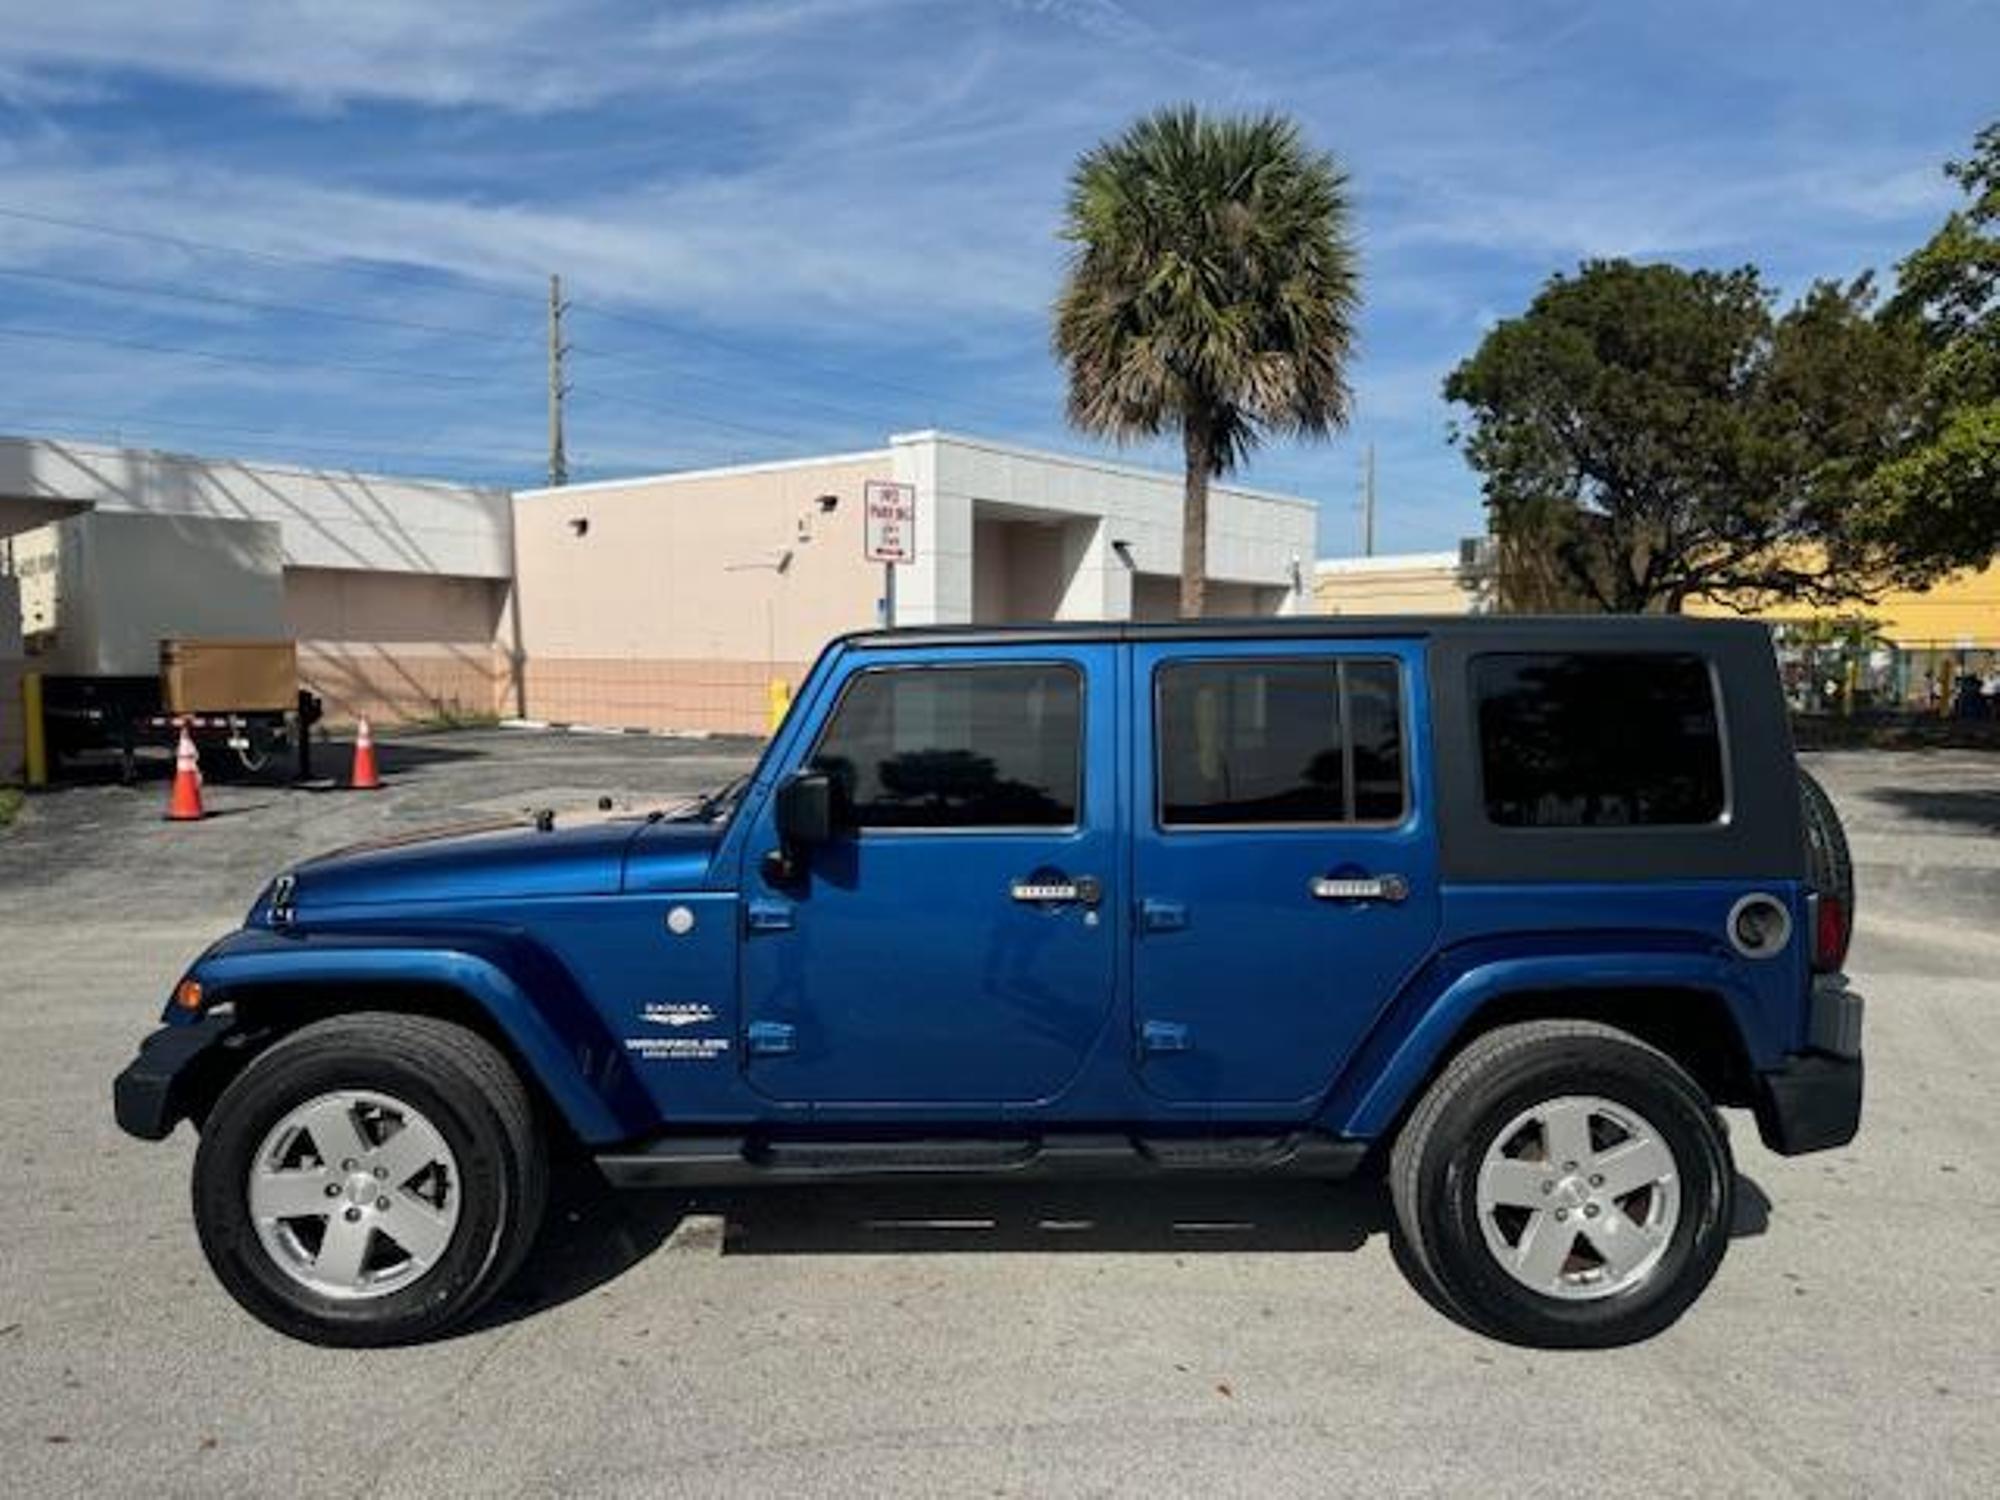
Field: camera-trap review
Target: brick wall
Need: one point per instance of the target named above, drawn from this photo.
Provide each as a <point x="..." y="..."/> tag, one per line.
<point x="721" y="697"/>
<point x="397" y="683"/>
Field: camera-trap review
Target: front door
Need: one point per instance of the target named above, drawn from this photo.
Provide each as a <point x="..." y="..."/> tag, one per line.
<point x="1284" y="868"/>
<point x="956" y="943"/>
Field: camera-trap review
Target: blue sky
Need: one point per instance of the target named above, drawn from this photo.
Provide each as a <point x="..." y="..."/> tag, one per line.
<point x="792" y="226"/>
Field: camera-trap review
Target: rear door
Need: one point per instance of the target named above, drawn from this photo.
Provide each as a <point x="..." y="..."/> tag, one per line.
<point x="1284" y="865"/>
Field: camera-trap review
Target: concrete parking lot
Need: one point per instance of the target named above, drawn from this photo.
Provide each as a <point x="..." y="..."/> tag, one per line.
<point x="994" y="1340"/>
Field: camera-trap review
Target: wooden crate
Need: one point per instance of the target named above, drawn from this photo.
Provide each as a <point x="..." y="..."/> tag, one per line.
<point x="198" y="676"/>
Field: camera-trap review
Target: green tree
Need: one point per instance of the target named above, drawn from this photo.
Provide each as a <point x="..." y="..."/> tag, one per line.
<point x="1212" y="289"/>
<point x="1938" y="501"/>
<point x="1650" y="435"/>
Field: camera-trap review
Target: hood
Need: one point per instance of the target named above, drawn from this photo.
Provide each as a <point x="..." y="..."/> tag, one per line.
<point x="498" y="861"/>
<point x="672" y="856"/>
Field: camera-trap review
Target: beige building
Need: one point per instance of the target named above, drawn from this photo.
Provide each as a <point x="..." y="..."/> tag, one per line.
<point x="673" y="601"/>
<point x="1409" y="583"/>
<point x="396" y="590"/>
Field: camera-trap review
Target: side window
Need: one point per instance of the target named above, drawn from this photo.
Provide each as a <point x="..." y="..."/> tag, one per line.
<point x="957" y="747"/>
<point x="1598" y="739"/>
<point x="1375" y="729"/>
<point x="1292" y="741"/>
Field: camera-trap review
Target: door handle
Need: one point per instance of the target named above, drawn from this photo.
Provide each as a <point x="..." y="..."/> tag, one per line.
<point x="1056" y="890"/>
<point x="1390" y="888"/>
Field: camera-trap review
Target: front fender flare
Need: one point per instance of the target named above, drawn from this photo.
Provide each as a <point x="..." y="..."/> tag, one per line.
<point x="556" y="1035"/>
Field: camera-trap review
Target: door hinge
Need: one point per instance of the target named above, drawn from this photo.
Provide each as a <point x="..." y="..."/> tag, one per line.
<point x="771" y="1038"/>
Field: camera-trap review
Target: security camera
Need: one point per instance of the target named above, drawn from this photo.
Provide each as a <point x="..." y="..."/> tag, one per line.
<point x="828" y="504"/>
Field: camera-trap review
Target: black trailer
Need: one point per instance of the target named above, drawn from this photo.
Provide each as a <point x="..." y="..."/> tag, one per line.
<point x="85" y="714"/>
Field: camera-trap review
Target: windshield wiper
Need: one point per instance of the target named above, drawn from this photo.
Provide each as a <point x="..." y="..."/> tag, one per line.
<point x="707" y="806"/>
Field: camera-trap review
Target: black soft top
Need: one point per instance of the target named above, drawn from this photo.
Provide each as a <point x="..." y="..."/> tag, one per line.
<point x="1490" y="632"/>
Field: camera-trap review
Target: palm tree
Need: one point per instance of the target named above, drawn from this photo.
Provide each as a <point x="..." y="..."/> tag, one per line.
<point x="1213" y="287"/>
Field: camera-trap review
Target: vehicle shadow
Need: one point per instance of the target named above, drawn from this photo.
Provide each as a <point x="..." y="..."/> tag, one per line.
<point x="1973" y="808"/>
<point x="593" y="1234"/>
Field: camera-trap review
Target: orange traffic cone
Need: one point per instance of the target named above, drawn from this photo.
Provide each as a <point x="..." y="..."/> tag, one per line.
<point x="184" y="801"/>
<point x="363" y="778"/>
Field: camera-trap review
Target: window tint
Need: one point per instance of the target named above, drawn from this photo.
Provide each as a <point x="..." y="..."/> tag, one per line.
<point x="957" y="747"/>
<point x="1375" y="728"/>
<point x="1262" y="742"/>
<point x="1575" y="741"/>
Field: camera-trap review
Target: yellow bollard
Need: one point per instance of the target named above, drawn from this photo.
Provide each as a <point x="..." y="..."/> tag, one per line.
<point x="781" y="702"/>
<point x="34" y="733"/>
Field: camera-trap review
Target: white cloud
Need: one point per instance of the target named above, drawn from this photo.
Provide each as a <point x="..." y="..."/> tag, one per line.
<point x="514" y="55"/>
<point x="768" y="248"/>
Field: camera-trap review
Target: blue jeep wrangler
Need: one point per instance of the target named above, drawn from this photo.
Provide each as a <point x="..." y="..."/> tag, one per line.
<point x="1503" y="909"/>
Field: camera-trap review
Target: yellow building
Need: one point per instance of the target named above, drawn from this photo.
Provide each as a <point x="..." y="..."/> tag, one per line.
<point x="1408" y="583"/>
<point x="1959" y="613"/>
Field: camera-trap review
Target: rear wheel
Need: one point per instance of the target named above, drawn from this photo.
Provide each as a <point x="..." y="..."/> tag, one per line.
<point x="1563" y="1184"/>
<point x="371" y="1179"/>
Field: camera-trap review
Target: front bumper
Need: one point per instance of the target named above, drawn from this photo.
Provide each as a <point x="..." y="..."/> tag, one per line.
<point x="1813" y="1101"/>
<point x="169" y="1079"/>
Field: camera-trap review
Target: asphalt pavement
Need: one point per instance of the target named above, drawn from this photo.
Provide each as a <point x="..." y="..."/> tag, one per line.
<point x="1163" y="1339"/>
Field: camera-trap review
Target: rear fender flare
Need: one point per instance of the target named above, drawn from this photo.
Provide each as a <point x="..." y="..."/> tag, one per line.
<point x="1444" y="1003"/>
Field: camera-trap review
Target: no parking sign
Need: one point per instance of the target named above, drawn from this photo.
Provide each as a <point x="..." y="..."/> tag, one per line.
<point x="889" y="534"/>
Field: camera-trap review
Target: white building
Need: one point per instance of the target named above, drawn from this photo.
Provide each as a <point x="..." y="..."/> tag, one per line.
<point x="397" y="590"/>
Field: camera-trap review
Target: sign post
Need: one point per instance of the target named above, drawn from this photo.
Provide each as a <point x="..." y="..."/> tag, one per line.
<point x="889" y="534"/>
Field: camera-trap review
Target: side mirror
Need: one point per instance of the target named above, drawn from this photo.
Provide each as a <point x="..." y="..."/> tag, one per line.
<point x="805" y="810"/>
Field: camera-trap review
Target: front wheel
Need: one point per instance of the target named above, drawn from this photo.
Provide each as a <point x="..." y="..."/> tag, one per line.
<point x="1564" y="1185"/>
<point x="371" y="1179"/>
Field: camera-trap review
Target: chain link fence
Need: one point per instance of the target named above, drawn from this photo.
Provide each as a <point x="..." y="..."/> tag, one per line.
<point x="1850" y="672"/>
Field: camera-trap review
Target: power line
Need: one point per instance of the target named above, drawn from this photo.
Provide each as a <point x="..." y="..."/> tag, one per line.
<point x="362" y="446"/>
<point x="357" y="265"/>
<point x="440" y="377"/>
<point x="360" y="265"/>
<point x="683" y="414"/>
<point x="723" y="383"/>
<point x="261" y="304"/>
<point x="243" y="429"/>
<point x="821" y="367"/>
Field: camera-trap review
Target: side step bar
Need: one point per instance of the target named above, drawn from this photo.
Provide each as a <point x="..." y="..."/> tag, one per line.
<point x="678" y="1161"/>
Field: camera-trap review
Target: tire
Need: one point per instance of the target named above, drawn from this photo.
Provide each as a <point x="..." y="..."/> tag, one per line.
<point x="1829" y="864"/>
<point x="1482" y="1129"/>
<point x="467" y="1215"/>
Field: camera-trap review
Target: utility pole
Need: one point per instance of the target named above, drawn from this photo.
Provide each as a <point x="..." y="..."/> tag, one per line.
<point x="558" y="461"/>
<point x="1368" y="506"/>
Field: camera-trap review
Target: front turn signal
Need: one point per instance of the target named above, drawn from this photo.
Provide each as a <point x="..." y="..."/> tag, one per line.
<point x="187" y="995"/>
